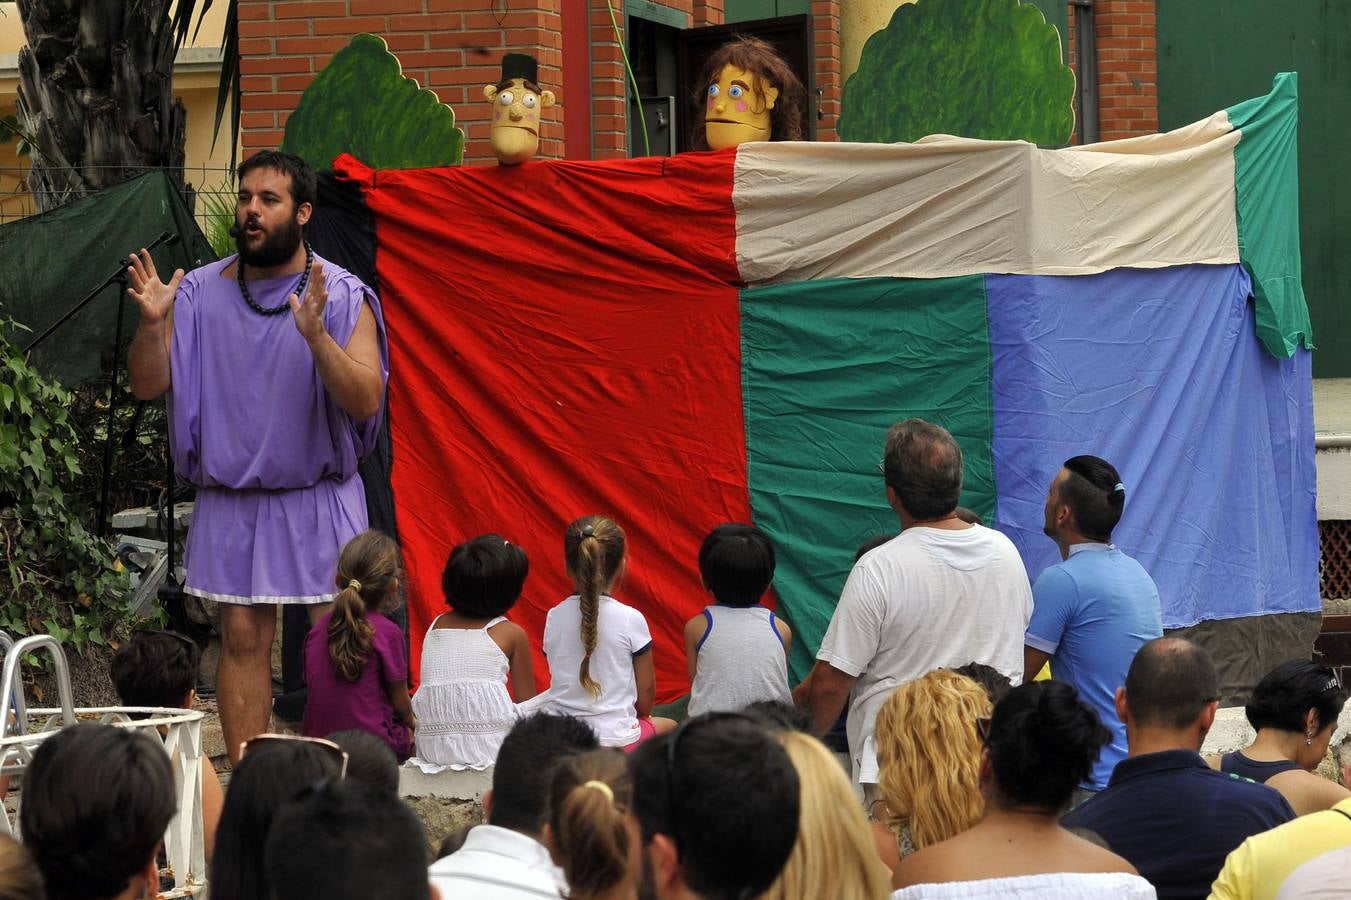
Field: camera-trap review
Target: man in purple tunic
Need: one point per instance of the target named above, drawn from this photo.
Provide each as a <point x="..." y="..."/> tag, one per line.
<point x="274" y="364"/>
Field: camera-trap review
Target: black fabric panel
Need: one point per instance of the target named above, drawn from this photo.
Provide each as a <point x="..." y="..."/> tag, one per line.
<point x="48" y="262"/>
<point x="342" y="229"/>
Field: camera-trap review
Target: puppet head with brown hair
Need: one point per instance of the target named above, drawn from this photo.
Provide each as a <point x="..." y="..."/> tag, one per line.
<point x="747" y="93"/>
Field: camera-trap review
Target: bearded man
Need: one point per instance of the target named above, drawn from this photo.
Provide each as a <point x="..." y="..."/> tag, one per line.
<point x="273" y="363"/>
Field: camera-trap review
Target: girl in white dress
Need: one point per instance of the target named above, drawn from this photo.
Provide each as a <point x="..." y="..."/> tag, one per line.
<point x="463" y="707"/>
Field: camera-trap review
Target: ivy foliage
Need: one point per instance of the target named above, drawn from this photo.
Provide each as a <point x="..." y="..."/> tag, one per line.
<point x="62" y="578"/>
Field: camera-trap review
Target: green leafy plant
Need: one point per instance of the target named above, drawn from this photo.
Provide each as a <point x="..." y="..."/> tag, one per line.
<point x="62" y="578"/>
<point x="987" y="69"/>
<point x="218" y="208"/>
<point x="10" y="131"/>
<point x="363" y="105"/>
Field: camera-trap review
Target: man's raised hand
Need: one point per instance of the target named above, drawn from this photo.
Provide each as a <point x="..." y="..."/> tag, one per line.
<point x="154" y="297"/>
<point x="309" y="313"/>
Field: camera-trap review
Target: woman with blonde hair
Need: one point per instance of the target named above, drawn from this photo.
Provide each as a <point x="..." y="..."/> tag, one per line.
<point x="928" y="759"/>
<point x="834" y="854"/>
<point x="19" y="875"/>
<point x="586" y="834"/>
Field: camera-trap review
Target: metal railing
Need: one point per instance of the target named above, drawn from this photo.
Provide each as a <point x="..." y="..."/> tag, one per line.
<point x="18" y="200"/>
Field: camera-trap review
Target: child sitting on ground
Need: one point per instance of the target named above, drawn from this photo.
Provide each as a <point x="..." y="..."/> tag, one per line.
<point x="737" y="650"/>
<point x="356" y="661"/>
<point x="462" y="705"/>
<point x="159" y="669"/>
<point x="599" y="650"/>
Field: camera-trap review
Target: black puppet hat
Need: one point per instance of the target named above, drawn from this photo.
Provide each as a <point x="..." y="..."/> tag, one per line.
<point x="520" y="65"/>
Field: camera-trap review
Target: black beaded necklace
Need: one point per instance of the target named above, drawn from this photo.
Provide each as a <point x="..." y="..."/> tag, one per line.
<point x="275" y="310"/>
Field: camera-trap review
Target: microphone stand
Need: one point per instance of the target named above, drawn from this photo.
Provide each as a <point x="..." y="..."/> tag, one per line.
<point x="118" y="276"/>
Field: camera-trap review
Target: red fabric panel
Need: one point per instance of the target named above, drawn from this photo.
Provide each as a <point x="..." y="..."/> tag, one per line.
<point x="564" y="339"/>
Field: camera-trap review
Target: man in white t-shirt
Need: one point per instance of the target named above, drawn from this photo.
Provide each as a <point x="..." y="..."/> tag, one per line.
<point x="943" y="593"/>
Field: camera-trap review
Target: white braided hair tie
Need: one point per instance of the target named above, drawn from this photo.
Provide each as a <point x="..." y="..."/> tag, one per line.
<point x="354" y="585"/>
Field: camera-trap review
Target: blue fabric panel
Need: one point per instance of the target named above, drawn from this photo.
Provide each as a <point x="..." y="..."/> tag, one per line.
<point x="1161" y="373"/>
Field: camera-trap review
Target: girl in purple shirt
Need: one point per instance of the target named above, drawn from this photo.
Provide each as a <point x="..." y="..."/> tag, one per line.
<point x="356" y="662"/>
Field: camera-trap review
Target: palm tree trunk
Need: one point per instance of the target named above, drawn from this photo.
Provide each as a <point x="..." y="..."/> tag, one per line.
<point x="95" y="91"/>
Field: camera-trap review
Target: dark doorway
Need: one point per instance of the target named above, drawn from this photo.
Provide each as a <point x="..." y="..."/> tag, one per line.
<point x="790" y="35"/>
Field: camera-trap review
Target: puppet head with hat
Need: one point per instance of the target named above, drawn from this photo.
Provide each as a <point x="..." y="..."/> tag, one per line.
<point x="747" y="92"/>
<point x="516" y="101"/>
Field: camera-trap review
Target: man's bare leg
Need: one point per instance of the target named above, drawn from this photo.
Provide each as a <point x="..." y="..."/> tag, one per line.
<point x="244" y="675"/>
<point x="317" y="611"/>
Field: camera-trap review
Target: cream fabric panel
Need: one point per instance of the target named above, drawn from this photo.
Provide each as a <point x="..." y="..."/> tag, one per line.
<point x="957" y="206"/>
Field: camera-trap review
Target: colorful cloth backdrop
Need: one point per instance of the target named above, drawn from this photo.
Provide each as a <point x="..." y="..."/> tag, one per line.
<point x="679" y="342"/>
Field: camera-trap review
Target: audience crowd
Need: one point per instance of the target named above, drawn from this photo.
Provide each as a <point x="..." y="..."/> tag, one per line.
<point x="953" y="782"/>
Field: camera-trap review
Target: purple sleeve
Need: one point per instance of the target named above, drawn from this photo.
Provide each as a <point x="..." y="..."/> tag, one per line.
<point x="392" y="651"/>
<point x="347" y="295"/>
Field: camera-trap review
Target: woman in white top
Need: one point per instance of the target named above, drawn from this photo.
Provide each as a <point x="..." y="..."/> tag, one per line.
<point x="599" y="650"/>
<point x="1039" y="743"/>
<point x="463" y="708"/>
<point x="737" y="650"/>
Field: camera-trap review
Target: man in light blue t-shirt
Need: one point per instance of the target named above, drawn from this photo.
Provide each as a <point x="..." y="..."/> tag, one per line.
<point x="1092" y="612"/>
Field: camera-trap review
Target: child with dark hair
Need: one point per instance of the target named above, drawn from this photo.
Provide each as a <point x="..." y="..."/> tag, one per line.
<point x="356" y="659"/>
<point x="158" y="669"/>
<point x="369" y="760"/>
<point x="737" y="650"/>
<point x="599" y="650"/>
<point x="1039" y="743"/>
<point x="463" y="707"/>
<point x="341" y="840"/>
<point x="96" y="802"/>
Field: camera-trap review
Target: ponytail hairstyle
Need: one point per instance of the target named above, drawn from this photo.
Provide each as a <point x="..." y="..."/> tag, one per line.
<point x="594" y="549"/>
<point x="588" y="800"/>
<point x="367" y="571"/>
<point x="1094" y="493"/>
<point x="1043" y="741"/>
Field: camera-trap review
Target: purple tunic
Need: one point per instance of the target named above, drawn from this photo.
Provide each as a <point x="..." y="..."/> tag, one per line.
<point x="335" y="704"/>
<point x="273" y="457"/>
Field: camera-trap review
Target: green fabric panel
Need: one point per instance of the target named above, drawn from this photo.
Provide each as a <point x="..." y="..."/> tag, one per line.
<point x="827" y="367"/>
<point x="1266" y="177"/>
<point x="48" y="262"/>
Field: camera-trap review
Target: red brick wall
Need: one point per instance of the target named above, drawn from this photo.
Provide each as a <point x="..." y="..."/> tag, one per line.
<point x="453" y="47"/>
<point x="829" y="83"/>
<point x="1128" y="82"/>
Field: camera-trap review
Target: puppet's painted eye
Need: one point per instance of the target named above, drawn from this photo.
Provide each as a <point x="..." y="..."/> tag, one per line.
<point x="529" y="101"/>
<point x="713" y="90"/>
<point x="505" y="98"/>
<point x="735" y="92"/>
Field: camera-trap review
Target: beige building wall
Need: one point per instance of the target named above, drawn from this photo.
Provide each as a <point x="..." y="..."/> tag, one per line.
<point x="196" y="76"/>
<point x="859" y="20"/>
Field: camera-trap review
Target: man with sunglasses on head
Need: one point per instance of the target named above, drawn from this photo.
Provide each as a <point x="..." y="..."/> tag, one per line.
<point x="715" y="810"/>
<point x="1168" y="813"/>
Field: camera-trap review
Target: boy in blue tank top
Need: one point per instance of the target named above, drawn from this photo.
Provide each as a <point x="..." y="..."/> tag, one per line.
<point x="737" y="649"/>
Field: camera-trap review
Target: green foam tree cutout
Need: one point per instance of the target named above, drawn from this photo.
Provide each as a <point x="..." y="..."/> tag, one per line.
<point x="987" y="69"/>
<point x="362" y="104"/>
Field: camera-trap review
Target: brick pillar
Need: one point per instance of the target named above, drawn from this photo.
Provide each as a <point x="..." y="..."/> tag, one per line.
<point x="709" y="12"/>
<point x="829" y="80"/>
<point x="1128" y="83"/>
<point x="609" y="115"/>
<point x="453" y="47"/>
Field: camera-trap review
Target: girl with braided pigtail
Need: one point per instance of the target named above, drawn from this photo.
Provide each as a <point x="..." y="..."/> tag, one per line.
<point x="600" y="650"/>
